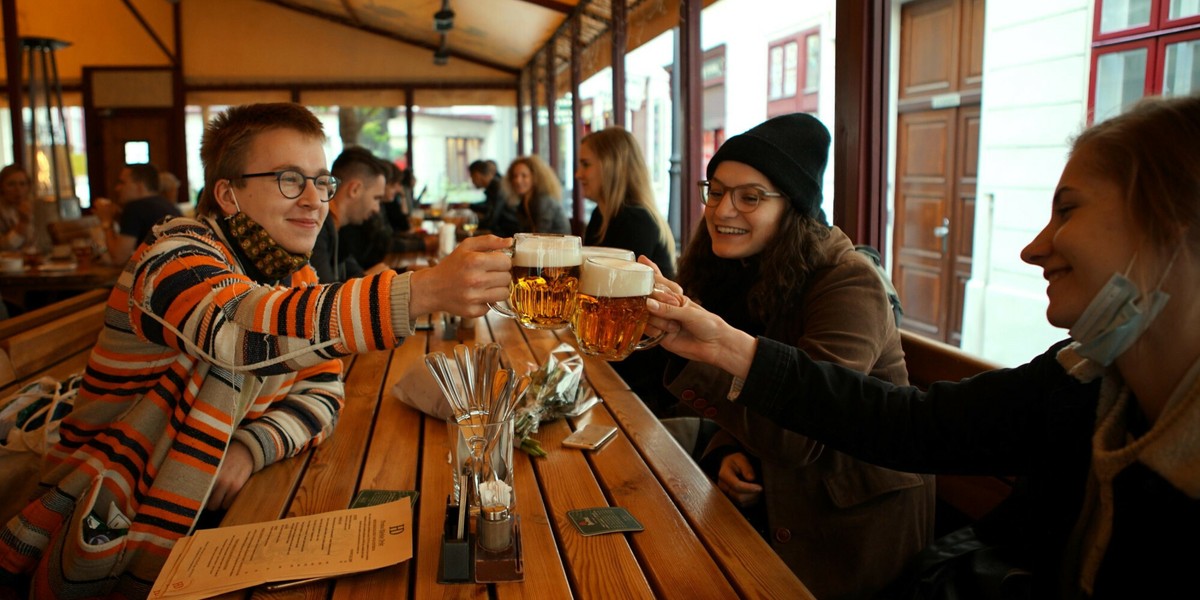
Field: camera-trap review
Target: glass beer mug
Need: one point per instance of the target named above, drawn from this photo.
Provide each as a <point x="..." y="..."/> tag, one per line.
<point x="545" y="277"/>
<point x="610" y="310"/>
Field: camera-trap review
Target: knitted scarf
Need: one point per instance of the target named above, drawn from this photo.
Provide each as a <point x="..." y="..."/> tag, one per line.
<point x="1171" y="449"/>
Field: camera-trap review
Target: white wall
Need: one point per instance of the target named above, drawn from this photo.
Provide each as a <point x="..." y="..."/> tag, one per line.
<point x="740" y="25"/>
<point x="1035" y="63"/>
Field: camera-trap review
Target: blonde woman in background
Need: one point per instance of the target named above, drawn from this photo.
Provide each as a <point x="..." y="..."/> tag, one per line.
<point x="537" y="194"/>
<point x="613" y="174"/>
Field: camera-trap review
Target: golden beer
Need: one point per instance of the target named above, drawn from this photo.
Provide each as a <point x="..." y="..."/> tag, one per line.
<point x="543" y="297"/>
<point x="610" y="310"/>
<point x="545" y="278"/>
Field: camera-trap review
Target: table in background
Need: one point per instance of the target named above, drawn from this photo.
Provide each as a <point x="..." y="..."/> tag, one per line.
<point x="32" y="287"/>
<point x="695" y="545"/>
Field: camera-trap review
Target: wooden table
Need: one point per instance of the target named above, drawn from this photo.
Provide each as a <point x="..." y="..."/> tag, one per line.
<point x="695" y="545"/>
<point x="36" y="286"/>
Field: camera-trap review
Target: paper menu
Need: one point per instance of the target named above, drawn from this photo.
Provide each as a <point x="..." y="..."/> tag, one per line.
<point x="214" y="561"/>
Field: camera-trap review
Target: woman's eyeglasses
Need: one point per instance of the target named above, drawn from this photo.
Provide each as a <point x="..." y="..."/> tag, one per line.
<point x="745" y="198"/>
<point x="292" y="183"/>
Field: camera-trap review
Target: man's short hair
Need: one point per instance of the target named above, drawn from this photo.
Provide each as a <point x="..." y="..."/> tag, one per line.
<point x="145" y="174"/>
<point x="358" y="163"/>
<point x="227" y="138"/>
<point x="487" y="168"/>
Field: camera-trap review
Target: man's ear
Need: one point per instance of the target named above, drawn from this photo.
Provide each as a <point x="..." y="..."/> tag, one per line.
<point x="352" y="187"/>
<point x="225" y="196"/>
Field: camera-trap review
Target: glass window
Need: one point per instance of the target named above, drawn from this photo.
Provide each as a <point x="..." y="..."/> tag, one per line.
<point x="812" y="64"/>
<point x="1120" y="81"/>
<point x="1181" y="74"/>
<point x="1117" y="15"/>
<point x="776" y="75"/>
<point x="791" y="61"/>
<point x="1181" y="9"/>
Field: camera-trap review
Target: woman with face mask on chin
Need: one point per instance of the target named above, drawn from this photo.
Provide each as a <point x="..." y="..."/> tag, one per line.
<point x="765" y="261"/>
<point x="1103" y="428"/>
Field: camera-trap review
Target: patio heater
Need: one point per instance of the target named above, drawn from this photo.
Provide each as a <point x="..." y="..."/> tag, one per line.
<point x="47" y="147"/>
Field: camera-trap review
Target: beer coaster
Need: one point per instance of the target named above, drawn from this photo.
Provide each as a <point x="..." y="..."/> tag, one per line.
<point x="605" y="519"/>
<point x="375" y="497"/>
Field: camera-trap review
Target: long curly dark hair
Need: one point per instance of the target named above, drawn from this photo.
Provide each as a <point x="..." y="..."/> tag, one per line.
<point x="783" y="266"/>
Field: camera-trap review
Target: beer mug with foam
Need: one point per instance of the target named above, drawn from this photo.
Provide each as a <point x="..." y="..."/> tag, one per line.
<point x="545" y="277"/>
<point x="590" y="251"/>
<point x="610" y="311"/>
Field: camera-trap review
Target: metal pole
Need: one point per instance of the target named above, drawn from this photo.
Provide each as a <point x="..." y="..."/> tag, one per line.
<point x="576" y="123"/>
<point x="62" y="120"/>
<point x="12" y="63"/>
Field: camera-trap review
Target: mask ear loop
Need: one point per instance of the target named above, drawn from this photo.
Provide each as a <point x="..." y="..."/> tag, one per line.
<point x="235" y="200"/>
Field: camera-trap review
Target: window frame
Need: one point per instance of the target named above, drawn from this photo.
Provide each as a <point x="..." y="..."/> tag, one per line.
<point x="1155" y="37"/>
<point x="803" y="99"/>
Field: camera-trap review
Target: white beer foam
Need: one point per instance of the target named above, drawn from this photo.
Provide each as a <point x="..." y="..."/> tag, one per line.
<point x="547" y="252"/>
<point x="590" y="251"/>
<point x="615" y="278"/>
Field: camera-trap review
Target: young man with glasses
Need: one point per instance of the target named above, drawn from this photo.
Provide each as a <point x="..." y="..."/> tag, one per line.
<point x="218" y="357"/>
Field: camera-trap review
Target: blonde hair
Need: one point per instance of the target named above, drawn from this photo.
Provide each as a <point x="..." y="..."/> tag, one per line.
<point x="624" y="180"/>
<point x="545" y="183"/>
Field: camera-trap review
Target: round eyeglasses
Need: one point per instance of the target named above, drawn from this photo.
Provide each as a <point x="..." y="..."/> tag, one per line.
<point x="746" y="198"/>
<point x="292" y="183"/>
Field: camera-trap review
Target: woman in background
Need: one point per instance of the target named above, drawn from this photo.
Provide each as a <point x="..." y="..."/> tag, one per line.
<point x="613" y="174"/>
<point x="16" y="208"/>
<point x="538" y="196"/>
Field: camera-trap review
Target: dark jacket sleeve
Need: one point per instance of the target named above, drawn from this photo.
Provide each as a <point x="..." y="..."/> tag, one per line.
<point x="633" y="228"/>
<point x="990" y="424"/>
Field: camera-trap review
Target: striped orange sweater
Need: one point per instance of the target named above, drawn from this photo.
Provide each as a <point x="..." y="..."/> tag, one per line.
<point x="193" y="355"/>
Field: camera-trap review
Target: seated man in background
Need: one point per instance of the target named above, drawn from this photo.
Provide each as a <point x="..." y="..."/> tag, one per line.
<point x="496" y="215"/>
<point x="344" y="240"/>
<point x="138" y="208"/>
<point x="218" y="357"/>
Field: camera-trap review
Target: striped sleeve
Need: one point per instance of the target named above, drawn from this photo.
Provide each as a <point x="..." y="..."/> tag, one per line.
<point x="185" y="294"/>
<point x="281" y="427"/>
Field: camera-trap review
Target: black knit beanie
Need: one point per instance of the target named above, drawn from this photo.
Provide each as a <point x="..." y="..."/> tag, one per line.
<point x="791" y="150"/>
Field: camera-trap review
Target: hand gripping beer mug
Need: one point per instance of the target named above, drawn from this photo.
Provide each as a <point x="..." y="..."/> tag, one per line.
<point x="610" y="311"/>
<point x="545" y="277"/>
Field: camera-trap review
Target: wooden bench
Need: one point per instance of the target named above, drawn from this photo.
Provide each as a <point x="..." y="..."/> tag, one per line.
<point x="961" y="498"/>
<point x="33" y="344"/>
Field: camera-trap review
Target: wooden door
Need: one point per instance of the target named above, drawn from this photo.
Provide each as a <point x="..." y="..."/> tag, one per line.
<point x="116" y="129"/>
<point x="937" y="146"/>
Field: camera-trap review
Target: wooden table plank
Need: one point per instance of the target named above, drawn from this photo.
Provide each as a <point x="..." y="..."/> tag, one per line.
<point x="668" y="540"/>
<point x="332" y="474"/>
<point x="436" y="485"/>
<point x="751" y="565"/>
<point x="391" y="464"/>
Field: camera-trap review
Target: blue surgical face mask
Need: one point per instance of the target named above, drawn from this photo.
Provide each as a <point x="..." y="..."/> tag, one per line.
<point x="1116" y="317"/>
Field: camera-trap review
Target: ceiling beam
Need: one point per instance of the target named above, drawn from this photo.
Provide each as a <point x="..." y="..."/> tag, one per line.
<point x="561" y="7"/>
<point x="391" y="35"/>
<point x="150" y="31"/>
<point x="351" y="85"/>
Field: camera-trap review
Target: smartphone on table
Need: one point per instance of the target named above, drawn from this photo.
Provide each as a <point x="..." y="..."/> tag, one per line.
<point x="590" y="436"/>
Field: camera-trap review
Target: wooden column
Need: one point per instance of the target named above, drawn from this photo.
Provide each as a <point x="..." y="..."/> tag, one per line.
<point x="578" y="224"/>
<point x="551" y="102"/>
<point x="619" y="41"/>
<point x="693" y="116"/>
<point x="12" y="63"/>
<point x="179" y="161"/>
<point x="860" y="120"/>
<point x="520" y="115"/>
<point x="408" y="127"/>
<point x="533" y="107"/>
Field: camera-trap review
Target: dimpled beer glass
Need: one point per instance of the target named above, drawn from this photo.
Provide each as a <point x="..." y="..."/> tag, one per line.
<point x="545" y="278"/>
<point x="610" y="310"/>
